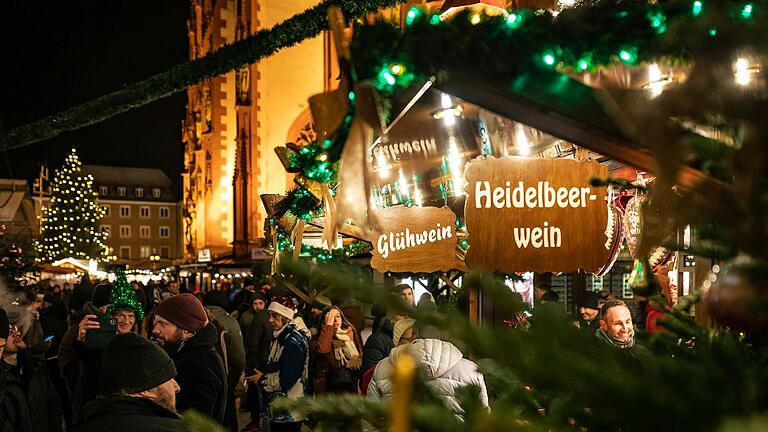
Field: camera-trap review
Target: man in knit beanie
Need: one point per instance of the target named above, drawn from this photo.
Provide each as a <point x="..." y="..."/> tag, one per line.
<point x="137" y="390"/>
<point x="183" y="329"/>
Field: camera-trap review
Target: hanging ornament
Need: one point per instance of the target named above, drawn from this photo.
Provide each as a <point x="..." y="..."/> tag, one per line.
<point x="614" y="231"/>
<point x="738" y="295"/>
<point x="633" y="228"/>
<point x="642" y="281"/>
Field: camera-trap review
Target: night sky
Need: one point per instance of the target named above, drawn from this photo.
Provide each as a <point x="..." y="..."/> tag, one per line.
<point x="55" y="54"/>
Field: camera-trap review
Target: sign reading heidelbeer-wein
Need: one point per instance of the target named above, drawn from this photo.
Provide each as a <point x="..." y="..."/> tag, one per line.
<point x="416" y="239"/>
<point x="535" y="215"/>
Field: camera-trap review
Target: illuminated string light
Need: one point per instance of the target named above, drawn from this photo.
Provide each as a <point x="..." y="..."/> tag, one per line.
<point x="746" y="11"/>
<point x="742" y="73"/>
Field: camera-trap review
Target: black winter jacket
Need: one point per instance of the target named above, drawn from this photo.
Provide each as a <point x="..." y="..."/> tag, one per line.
<point x="80" y="367"/>
<point x="44" y="402"/>
<point x="201" y="375"/>
<point x="15" y="415"/>
<point x="378" y="345"/>
<point x="128" y="414"/>
<point x="257" y="333"/>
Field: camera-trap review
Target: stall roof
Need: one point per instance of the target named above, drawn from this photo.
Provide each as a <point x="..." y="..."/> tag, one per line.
<point x="563" y="107"/>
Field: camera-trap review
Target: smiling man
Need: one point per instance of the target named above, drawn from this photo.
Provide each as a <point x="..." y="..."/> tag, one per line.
<point x="617" y="330"/>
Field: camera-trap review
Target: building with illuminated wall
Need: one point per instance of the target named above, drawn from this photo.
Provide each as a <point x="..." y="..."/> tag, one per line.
<point x="233" y="123"/>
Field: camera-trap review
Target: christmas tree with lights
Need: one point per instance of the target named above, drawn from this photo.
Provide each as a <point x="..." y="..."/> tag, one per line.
<point x="70" y="223"/>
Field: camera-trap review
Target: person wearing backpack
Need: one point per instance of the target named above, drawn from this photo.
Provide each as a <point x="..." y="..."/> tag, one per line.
<point x="232" y="351"/>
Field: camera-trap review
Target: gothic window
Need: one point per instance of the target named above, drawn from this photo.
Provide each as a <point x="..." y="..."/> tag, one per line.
<point x="208" y="115"/>
<point x="243" y="85"/>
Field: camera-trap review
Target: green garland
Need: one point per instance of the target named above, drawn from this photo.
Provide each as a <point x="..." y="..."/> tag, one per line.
<point x="313" y="161"/>
<point x="322" y="254"/>
<point x="228" y="58"/>
<point x="580" y="39"/>
<point x="303" y="204"/>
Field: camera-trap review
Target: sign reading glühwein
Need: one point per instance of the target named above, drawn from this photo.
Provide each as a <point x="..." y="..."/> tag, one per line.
<point x="415" y="239"/>
<point x="535" y="215"/>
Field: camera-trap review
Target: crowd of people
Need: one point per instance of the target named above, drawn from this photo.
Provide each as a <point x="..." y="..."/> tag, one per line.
<point x="80" y="358"/>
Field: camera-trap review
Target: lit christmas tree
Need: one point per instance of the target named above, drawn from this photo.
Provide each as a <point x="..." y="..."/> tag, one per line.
<point x="70" y="224"/>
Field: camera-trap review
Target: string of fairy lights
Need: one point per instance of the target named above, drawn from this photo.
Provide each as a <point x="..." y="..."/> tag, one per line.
<point x="506" y="45"/>
<point x="70" y="223"/>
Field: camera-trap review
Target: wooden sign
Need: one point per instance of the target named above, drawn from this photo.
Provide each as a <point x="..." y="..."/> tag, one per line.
<point x="415" y="239"/>
<point x="535" y="215"/>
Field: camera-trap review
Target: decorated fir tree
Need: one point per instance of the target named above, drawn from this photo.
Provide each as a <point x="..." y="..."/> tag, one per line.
<point x="70" y="223"/>
<point x="123" y="297"/>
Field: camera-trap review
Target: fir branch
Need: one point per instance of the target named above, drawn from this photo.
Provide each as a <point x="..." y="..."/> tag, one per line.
<point x="193" y="421"/>
<point x="260" y="45"/>
<point x="337" y="406"/>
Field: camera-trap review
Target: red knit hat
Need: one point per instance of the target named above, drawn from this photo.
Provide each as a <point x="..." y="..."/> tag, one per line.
<point x="184" y="311"/>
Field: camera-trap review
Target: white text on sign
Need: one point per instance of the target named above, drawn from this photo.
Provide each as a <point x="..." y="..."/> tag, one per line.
<point x="540" y="196"/>
<point x="407" y="239"/>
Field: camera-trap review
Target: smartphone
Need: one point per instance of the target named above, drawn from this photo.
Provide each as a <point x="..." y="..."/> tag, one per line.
<point x="99" y="338"/>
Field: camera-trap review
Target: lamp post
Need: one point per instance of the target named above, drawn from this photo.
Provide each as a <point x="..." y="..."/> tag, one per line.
<point x="154" y="259"/>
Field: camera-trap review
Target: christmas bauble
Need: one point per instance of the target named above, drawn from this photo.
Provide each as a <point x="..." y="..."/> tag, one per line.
<point x="738" y="297"/>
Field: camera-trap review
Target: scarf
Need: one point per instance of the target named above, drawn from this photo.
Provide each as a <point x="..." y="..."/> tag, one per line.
<point x="347" y="352"/>
<point x="602" y="335"/>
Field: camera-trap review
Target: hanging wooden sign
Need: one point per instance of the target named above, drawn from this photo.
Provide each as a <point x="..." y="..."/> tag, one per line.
<point x="415" y="239"/>
<point x="535" y="215"/>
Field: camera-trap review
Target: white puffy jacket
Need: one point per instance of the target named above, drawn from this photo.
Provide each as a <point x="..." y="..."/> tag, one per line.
<point x="441" y="365"/>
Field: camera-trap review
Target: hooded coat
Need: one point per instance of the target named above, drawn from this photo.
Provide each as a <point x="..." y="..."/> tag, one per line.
<point x="440" y="364"/>
<point x="201" y="375"/>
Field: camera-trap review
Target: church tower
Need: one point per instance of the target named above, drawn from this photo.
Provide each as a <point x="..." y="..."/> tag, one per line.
<point x="234" y="122"/>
